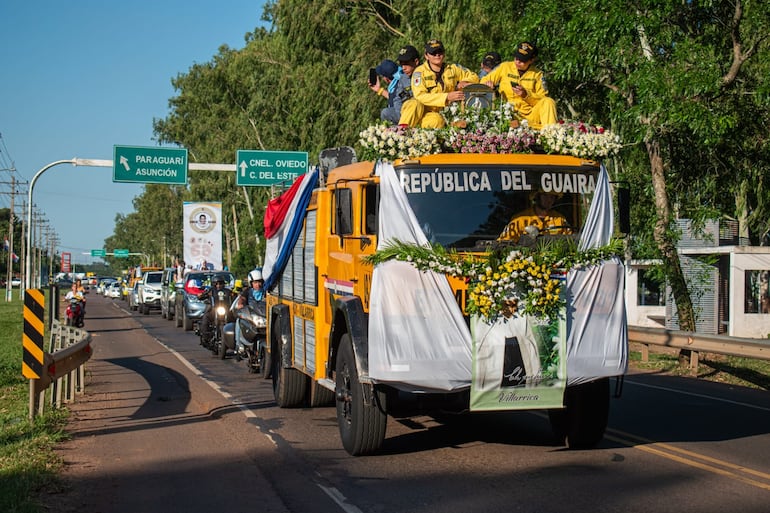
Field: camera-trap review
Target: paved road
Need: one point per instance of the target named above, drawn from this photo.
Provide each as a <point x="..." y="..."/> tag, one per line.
<point x="165" y="426"/>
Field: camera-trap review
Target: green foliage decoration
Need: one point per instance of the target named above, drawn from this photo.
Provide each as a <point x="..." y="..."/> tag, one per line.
<point x="507" y="279"/>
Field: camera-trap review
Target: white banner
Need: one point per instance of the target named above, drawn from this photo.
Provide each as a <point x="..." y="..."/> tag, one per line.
<point x="202" y="234"/>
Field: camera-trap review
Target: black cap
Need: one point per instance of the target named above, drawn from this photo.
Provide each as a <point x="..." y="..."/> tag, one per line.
<point x="434" y="47"/>
<point x="491" y="59"/>
<point x="407" y="53"/>
<point x="525" y="52"/>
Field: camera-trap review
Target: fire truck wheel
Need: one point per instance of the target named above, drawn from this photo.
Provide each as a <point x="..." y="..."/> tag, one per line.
<point x="320" y="396"/>
<point x="362" y="426"/>
<point x="289" y="386"/>
<point x="584" y="419"/>
<point x="265" y="363"/>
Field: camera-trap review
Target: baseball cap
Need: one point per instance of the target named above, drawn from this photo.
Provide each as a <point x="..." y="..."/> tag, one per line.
<point x="526" y="51"/>
<point x="407" y="53"/>
<point x="434" y="47"/>
<point x="387" y="68"/>
<point x="491" y="59"/>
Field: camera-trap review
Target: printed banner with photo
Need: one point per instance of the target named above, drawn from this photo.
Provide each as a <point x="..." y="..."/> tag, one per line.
<point x="518" y="363"/>
<point x="203" y="234"/>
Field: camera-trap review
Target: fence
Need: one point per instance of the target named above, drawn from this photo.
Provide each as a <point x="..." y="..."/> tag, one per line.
<point x="63" y="369"/>
<point x="698" y="343"/>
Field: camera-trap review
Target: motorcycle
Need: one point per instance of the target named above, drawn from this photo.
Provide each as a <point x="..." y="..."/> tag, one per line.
<point x="75" y="313"/>
<point x="218" y="302"/>
<point x="250" y="336"/>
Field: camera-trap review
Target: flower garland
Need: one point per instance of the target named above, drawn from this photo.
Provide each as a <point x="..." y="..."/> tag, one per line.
<point x="487" y="131"/>
<point x="386" y="142"/>
<point x="579" y="140"/>
<point x="505" y="281"/>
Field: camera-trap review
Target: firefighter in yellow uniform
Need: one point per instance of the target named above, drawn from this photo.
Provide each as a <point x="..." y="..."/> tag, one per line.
<point x="523" y="85"/>
<point x="434" y="86"/>
<point x="540" y="216"/>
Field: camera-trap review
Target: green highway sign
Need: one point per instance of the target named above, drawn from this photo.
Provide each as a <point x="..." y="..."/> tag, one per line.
<point x="255" y="167"/>
<point x="120" y="253"/>
<point x="98" y="252"/>
<point x="148" y="164"/>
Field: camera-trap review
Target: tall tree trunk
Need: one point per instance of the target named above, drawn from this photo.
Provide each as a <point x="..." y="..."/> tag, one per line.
<point x="667" y="247"/>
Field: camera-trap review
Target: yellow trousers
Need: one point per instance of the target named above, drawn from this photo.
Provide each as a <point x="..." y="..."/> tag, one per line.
<point x="413" y="113"/>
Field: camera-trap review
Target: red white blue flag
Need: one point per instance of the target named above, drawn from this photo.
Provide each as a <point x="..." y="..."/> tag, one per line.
<point x="283" y="222"/>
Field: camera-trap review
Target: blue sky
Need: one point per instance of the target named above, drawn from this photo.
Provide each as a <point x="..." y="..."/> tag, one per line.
<point x="77" y="78"/>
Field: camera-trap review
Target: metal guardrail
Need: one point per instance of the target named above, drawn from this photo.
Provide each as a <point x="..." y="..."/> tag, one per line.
<point x="698" y="343"/>
<point x="63" y="367"/>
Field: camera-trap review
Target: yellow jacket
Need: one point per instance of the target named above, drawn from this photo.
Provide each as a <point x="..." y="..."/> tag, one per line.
<point x="428" y="91"/>
<point x="505" y="76"/>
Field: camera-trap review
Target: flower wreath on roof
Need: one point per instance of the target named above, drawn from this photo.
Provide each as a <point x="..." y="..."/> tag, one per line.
<point x="495" y="130"/>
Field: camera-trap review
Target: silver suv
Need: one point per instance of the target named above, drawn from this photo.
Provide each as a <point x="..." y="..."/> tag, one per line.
<point x="148" y="292"/>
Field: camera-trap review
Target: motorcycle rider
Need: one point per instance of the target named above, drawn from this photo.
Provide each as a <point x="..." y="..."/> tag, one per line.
<point x="207" y="321"/>
<point x="250" y="295"/>
<point x="78" y="293"/>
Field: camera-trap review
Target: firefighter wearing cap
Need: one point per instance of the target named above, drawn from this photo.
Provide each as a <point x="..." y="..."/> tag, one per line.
<point x="521" y="83"/>
<point x="434" y="86"/>
<point x="540" y="218"/>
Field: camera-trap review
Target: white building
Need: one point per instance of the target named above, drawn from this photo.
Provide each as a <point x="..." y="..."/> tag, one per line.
<point x="729" y="285"/>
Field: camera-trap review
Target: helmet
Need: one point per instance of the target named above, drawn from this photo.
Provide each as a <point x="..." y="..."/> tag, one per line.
<point x="219" y="279"/>
<point x="256" y="275"/>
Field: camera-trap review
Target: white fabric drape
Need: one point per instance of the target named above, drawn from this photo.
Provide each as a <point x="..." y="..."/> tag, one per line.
<point x="418" y="338"/>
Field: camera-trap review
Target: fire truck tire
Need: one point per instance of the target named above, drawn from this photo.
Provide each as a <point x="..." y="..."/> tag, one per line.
<point x="362" y="426"/>
<point x="320" y="396"/>
<point x="583" y="420"/>
<point x="289" y="387"/>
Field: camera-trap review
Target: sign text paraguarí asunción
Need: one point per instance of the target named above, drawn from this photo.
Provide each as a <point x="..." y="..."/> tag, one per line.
<point x="158" y="159"/>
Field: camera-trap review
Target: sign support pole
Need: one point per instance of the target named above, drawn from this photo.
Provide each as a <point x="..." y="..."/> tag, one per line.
<point x="87" y="163"/>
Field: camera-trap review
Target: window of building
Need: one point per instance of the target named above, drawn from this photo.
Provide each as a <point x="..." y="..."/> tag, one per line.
<point x="757" y="291"/>
<point x="650" y="292"/>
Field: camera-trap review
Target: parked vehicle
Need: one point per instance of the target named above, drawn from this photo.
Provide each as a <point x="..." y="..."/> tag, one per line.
<point x="168" y="293"/>
<point x="248" y="333"/>
<point x="189" y="308"/>
<point x="148" y="291"/>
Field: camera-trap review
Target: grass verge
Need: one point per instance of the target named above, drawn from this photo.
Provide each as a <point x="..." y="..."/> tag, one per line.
<point x="731" y="370"/>
<point x="28" y="462"/>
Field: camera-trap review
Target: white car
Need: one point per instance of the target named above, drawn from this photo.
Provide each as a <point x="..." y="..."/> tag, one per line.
<point x="15" y="282"/>
<point x="114" y="290"/>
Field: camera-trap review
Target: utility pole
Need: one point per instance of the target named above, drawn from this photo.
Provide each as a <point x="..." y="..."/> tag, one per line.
<point x="8" y="286"/>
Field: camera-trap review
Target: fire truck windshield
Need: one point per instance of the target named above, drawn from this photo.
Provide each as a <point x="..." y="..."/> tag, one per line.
<point x="463" y="206"/>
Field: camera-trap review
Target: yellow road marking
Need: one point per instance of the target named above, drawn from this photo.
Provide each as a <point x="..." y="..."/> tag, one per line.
<point x="707" y="463"/>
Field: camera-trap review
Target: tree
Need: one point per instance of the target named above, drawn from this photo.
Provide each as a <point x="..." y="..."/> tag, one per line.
<point x="669" y="73"/>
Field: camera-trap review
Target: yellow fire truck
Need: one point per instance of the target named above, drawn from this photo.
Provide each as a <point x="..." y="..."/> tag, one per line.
<point x="320" y="344"/>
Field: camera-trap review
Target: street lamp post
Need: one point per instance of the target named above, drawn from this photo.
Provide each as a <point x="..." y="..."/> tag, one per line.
<point x="74" y="162"/>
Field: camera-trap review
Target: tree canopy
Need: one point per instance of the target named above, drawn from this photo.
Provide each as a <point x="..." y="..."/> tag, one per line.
<point x="684" y="83"/>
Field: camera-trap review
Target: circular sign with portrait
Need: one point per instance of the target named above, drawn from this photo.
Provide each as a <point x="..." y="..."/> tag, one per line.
<point x="202" y="220"/>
